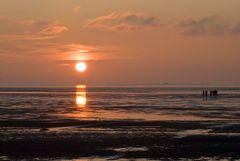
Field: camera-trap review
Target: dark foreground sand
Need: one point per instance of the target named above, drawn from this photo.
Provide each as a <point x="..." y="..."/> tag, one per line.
<point x="71" y="139"/>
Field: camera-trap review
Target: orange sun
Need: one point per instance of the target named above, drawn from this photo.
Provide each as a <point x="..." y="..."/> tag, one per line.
<point x="81" y="67"/>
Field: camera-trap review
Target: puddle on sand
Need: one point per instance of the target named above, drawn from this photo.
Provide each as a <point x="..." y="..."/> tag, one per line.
<point x="131" y="149"/>
<point x="185" y="133"/>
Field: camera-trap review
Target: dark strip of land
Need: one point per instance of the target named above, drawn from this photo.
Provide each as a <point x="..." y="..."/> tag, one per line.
<point x="158" y="139"/>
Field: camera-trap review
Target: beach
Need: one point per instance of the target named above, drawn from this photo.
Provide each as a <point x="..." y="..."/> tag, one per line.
<point x="119" y="123"/>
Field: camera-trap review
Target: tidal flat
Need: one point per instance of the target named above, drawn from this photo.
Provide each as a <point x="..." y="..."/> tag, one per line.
<point x="162" y="123"/>
<point x="71" y="139"/>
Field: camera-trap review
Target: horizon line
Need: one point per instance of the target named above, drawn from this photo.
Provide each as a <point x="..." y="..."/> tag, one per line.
<point x="164" y="84"/>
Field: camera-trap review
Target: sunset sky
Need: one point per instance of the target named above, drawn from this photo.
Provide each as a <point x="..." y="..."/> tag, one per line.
<point x="121" y="41"/>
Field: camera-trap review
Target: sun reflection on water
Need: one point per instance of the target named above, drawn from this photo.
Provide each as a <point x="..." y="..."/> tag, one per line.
<point x="81" y="99"/>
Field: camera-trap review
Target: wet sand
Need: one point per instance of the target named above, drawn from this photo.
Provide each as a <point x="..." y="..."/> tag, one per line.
<point x="119" y="124"/>
<point x="120" y="139"/>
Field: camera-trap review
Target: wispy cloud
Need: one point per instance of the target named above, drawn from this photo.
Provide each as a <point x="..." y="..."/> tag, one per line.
<point x="30" y="30"/>
<point x="53" y="30"/>
<point x="211" y="25"/>
<point x="123" y="22"/>
<point x="24" y="37"/>
<point x="63" y="53"/>
<point x="35" y="39"/>
<point x="236" y="29"/>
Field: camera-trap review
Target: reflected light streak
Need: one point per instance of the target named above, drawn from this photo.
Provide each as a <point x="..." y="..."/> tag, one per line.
<point x="81" y="99"/>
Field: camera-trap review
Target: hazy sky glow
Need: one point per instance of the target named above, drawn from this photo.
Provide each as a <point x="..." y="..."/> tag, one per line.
<point x="122" y="41"/>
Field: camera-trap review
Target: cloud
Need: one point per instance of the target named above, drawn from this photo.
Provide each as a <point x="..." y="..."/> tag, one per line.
<point x="26" y="48"/>
<point x="124" y="22"/>
<point x="56" y="51"/>
<point x="236" y="29"/>
<point x="30" y="30"/>
<point x="25" y="37"/>
<point x="76" y="52"/>
<point x="53" y="30"/>
<point x="45" y="27"/>
<point x="33" y="39"/>
<point x="211" y="25"/>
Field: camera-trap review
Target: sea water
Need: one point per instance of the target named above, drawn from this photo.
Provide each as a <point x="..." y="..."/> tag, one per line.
<point x="114" y="103"/>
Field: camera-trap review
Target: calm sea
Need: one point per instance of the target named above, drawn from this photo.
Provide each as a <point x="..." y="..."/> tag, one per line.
<point x="118" y="103"/>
